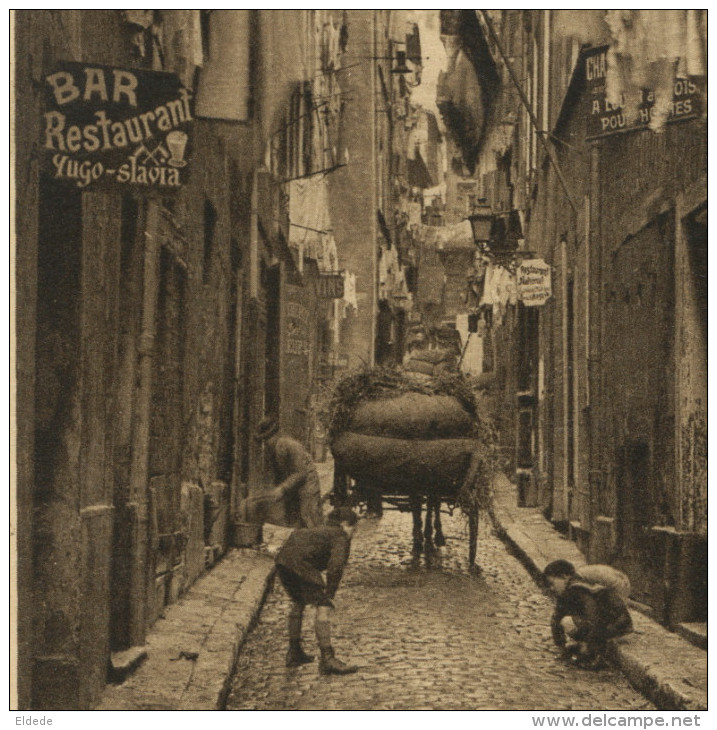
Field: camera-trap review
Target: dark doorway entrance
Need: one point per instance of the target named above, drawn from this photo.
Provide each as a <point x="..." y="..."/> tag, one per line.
<point x="230" y="389"/>
<point x="166" y="422"/>
<point x="125" y="513"/>
<point x="640" y="555"/>
<point x="527" y="379"/>
<point x="57" y="342"/>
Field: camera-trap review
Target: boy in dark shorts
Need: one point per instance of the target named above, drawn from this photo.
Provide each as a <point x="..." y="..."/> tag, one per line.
<point x="300" y="562"/>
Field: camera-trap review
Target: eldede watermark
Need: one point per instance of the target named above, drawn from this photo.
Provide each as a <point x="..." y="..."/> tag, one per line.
<point x="30" y="720"/>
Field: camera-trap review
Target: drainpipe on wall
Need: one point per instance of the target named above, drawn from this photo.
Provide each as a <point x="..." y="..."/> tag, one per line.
<point x="374" y="218"/>
<point x="546" y="70"/>
<point x="139" y="494"/>
<point x="254" y="238"/>
<point x="602" y="541"/>
<point x="561" y="503"/>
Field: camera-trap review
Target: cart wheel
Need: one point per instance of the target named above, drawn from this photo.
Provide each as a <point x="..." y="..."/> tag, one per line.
<point x="374" y="502"/>
<point x="472" y="537"/>
<point x="340" y="492"/>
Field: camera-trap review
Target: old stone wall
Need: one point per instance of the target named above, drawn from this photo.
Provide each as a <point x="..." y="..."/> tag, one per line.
<point x="355" y="224"/>
<point x="102" y="546"/>
<point x="65" y="444"/>
<point x="609" y="341"/>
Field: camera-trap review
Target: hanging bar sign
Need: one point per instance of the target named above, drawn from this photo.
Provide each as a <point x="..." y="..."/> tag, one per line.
<point x="109" y="126"/>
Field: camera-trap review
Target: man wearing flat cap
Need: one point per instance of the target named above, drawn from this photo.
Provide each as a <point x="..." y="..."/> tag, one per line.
<point x="297" y="482"/>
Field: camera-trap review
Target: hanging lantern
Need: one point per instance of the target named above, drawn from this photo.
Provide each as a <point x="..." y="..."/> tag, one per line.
<point x="482" y="220"/>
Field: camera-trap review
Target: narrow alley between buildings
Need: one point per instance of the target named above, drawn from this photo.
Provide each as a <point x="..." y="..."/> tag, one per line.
<point x="427" y="634"/>
<point x="442" y="250"/>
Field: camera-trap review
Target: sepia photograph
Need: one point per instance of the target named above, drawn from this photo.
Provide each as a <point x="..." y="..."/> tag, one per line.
<point x="359" y="363"/>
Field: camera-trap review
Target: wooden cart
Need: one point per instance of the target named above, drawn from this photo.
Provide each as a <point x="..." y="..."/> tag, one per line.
<point x="402" y="463"/>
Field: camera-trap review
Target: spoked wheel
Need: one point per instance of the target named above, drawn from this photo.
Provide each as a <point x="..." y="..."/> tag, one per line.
<point x="472" y="537"/>
<point x="374" y="502"/>
<point x="340" y="493"/>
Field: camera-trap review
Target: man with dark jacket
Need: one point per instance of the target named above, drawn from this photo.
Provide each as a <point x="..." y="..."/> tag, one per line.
<point x="300" y="563"/>
<point x="597" y="611"/>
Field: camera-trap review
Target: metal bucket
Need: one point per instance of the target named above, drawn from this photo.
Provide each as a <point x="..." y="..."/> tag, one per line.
<point x="246" y="534"/>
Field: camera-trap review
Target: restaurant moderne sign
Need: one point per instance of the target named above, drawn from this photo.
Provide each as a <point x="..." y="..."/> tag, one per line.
<point x="109" y="126"/>
<point x="604" y="118"/>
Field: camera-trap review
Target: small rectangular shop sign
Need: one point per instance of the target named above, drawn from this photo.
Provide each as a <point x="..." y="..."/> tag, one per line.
<point x="296" y="324"/>
<point x="330" y="286"/>
<point x="106" y="126"/>
<point x="534" y="282"/>
<point x="604" y="118"/>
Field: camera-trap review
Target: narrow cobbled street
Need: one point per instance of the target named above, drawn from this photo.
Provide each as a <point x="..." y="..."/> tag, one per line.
<point x="427" y="634"/>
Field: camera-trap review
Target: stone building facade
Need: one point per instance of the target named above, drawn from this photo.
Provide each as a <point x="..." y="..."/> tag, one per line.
<point x="160" y="314"/>
<point x="610" y="373"/>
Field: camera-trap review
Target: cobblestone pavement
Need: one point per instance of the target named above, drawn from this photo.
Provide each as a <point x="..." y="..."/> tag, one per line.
<point x="427" y="634"/>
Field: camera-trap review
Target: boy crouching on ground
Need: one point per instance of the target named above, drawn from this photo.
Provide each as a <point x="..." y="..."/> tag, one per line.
<point x="597" y="611"/>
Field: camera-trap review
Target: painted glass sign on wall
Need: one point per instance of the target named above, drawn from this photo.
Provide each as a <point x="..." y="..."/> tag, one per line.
<point x="605" y="118"/>
<point x="109" y="126"/>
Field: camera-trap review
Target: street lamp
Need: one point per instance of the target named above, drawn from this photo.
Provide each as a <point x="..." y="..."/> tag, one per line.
<point x="497" y="235"/>
<point x="482" y="221"/>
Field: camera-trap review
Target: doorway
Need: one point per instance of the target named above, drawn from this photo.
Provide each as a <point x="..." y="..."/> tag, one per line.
<point x="166" y="424"/>
<point x="638" y="553"/>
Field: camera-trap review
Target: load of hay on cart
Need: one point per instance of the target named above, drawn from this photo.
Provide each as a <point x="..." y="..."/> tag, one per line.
<point x="398" y="439"/>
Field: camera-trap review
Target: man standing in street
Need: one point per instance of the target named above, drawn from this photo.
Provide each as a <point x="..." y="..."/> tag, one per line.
<point x="295" y="477"/>
<point x="300" y="563"/>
